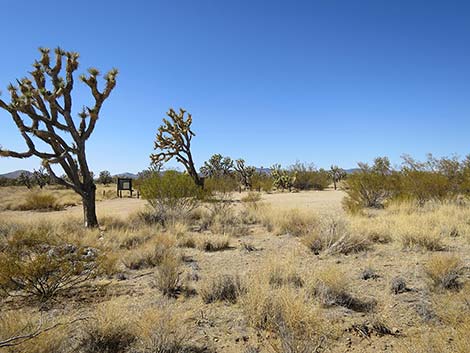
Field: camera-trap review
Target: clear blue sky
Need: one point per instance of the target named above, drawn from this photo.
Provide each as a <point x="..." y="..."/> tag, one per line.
<point x="270" y="81"/>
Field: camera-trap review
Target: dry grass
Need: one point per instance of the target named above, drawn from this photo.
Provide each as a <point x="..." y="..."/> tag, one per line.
<point x="222" y="287"/>
<point x="213" y="243"/>
<point x="444" y="271"/>
<point x="334" y="236"/>
<point x="168" y="274"/>
<point x="20" y="323"/>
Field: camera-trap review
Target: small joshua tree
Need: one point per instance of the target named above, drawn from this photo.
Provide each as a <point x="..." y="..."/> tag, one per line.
<point x="25" y="180"/>
<point x="337" y="174"/>
<point x="174" y="140"/>
<point x="217" y="166"/>
<point x="245" y="173"/>
<point x="41" y="177"/>
<point x="282" y="179"/>
<point x="45" y="100"/>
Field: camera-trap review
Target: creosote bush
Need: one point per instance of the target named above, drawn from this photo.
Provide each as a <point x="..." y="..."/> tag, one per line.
<point x="172" y="195"/>
<point x="35" y="264"/>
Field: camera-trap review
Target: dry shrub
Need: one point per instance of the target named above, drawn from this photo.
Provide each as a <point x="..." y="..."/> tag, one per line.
<point x="150" y="254"/>
<point x="186" y="241"/>
<point x="168" y="274"/>
<point x="112" y="330"/>
<point x="252" y="199"/>
<point x="213" y="243"/>
<point x="297" y="223"/>
<point x="223" y="287"/>
<point x="38" y="201"/>
<point x="161" y="331"/>
<point x="334" y="236"/>
<point x="444" y="271"/>
<point x="283" y="273"/>
<point x="331" y="287"/>
<point x="415" y="237"/>
<point x="51" y="337"/>
<point x="222" y="219"/>
<point x="297" y="325"/>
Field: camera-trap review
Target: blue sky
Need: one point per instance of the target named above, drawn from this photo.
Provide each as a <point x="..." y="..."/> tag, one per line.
<point x="270" y="81"/>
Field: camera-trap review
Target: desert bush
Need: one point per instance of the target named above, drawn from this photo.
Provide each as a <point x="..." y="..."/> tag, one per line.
<point x="282" y="178"/>
<point x="416" y="237"/>
<point x="150" y="254"/>
<point x="335" y="236"/>
<point x="172" y="195"/>
<point x="262" y="182"/>
<point x="22" y="331"/>
<point x="398" y="285"/>
<point x="296" y="223"/>
<point x="223" y="287"/>
<point x="331" y="287"/>
<point x="161" y="331"/>
<point x="213" y="243"/>
<point x="423" y="186"/>
<point x="444" y="271"/>
<point x="283" y="274"/>
<point x="168" y="275"/>
<point x="308" y="177"/>
<point x="34" y="265"/>
<point x="40" y="201"/>
<point x="221" y="184"/>
<point x="112" y="330"/>
<point x="251" y="199"/>
<point x="298" y="326"/>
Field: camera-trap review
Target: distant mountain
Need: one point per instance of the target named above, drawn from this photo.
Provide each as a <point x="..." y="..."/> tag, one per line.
<point x="352" y="170"/>
<point x="15" y="174"/>
<point x="126" y="175"/>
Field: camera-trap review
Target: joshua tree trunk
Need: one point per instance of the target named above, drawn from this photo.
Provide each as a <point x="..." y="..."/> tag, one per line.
<point x="89" y="209"/>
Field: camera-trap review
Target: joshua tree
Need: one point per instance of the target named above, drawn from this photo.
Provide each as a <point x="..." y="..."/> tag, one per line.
<point x="41" y="177"/>
<point x="337" y="174"/>
<point x="217" y="166"/>
<point x="45" y="100"/>
<point x="105" y="177"/>
<point x="174" y="140"/>
<point x="25" y="180"/>
<point x="245" y="173"/>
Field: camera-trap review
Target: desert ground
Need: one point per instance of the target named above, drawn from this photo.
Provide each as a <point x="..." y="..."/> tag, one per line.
<point x="291" y="272"/>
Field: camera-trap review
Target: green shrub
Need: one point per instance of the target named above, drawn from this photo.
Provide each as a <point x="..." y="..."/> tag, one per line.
<point x="40" y="201"/>
<point x="172" y="195"/>
<point x="35" y="267"/>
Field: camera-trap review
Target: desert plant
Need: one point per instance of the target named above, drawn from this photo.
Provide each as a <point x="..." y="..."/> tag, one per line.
<point x="34" y="265"/>
<point x="172" y="195"/>
<point x="282" y="179"/>
<point x="217" y="166"/>
<point x="168" y="275"/>
<point x="337" y="174"/>
<point x="112" y="330"/>
<point x="296" y="223"/>
<point x="41" y="177"/>
<point x="444" y="271"/>
<point x="41" y="104"/>
<point x="105" y="178"/>
<point x="245" y="173"/>
<point x="173" y="140"/>
<point x="25" y="180"/>
<point x="40" y="201"/>
<point x="213" y="243"/>
<point x="221" y="288"/>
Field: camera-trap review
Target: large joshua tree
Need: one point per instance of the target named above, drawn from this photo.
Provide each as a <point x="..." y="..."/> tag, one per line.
<point x="173" y="140"/>
<point x="41" y="108"/>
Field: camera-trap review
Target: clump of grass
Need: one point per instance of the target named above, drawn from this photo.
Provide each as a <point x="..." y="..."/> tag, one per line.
<point x="283" y="274"/>
<point x="444" y="271"/>
<point x="334" y="236"/>
<point x="168" y="275"/>
<point x="297" y="325"/>
<point x="222" y="288"/>
<point x="213" y="243"/>
<point x="19" y="324"/>
<point x="112" y="330"/>
<point x="297" y="223"/>
<point x="39" y="201"/>
<point x="421" y="238"/>
<point x="161" y="331"/>
<point x="149" y="254"/>
<point x="331" y="287"/>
